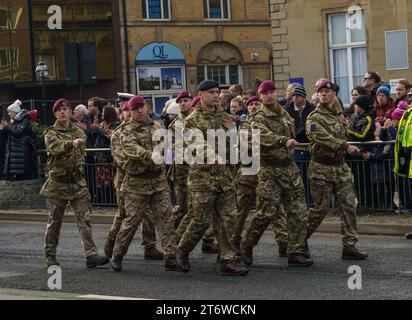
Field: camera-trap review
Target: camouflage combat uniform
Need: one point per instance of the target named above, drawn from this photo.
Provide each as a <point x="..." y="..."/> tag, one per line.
<point x="148" y="228"/>
<point x="66" y="184"/>
<point x="329" y="173"/>
<point x="145" y="189"/>
<point x="279" y="181"/>
<point x="211" y="187"/>
<point x="246" y="196"/>
<point x="181" y="211"/>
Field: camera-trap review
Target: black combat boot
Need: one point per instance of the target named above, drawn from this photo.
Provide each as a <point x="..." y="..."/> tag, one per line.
<point x="208" y="246"/>
<point x="182" y="260"/>
<point x="117" y="263"/>
<point x="96" y="260"/>
<point x="151" y="253"/>
<point x="298" y="260"/>
<point x="108" y="246"/>
<point x="352" y="253"/>
<point x="306" y="252"/>
<point x="247" y="255"/>
<point x="50" y="261"/>
<point x="283" y="250"/>
<point x="170" y="264"/>
<point x="230" y="268"/>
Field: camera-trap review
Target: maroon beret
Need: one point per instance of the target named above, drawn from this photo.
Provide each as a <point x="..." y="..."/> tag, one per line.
<point x="195" y="101"/>
<point x="135" y="102"/>
<point x="125" y="106"/>
<point x="59" y="103"/>
<point x="326" y="85"/>
<point x="252" y="99"/>
<point x="184" y="94"/>
<point x="267" y="85"/>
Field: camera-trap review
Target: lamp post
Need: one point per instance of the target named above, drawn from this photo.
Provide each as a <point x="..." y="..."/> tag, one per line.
<point x="42" y="72"/>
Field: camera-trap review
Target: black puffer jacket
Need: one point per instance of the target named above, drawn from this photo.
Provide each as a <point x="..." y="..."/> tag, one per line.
<point x="20" y="148"/>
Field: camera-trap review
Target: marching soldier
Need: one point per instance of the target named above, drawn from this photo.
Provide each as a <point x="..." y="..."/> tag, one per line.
<point x="246" y="195"/>
<point x="329" y="174"/>
<point x="180" y="171"/>
<point x="279" y="181"/>
<point x="65" y="144"/>
<point x="148" y="228"/>
<point x="211" y="186"/>
<point x="144" y="186"/>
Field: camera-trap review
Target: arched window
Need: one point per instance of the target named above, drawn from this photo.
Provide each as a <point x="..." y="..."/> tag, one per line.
<point x="220" y="61"/>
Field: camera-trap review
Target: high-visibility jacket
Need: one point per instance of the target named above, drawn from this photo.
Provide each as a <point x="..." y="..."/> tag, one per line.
<point x="403" y="146"/>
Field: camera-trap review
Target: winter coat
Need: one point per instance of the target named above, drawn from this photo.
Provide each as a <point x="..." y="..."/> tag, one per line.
<point x="300" y="120"/>
<point x="20" y="148"/>
<point x="363" y="128"/>
<point x="104" y="142"/>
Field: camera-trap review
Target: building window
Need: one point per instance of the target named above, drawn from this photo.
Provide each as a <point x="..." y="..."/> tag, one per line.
<point x="217" y="9"/>
<point x="396" y="44"/>
<point x="9" y="58"/>
<point x="4" y="20"/>
<point x="347" y="51"/>
<point x="226" y="75"/>
<point x="10" y="19"/>
<point x="156" y="9"/>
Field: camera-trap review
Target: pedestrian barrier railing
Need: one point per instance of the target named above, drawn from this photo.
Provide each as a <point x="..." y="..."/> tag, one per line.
<point x="377" y="188"/>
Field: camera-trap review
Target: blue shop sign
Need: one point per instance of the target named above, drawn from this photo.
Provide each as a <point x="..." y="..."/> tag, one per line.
<point x="159" y="53"/>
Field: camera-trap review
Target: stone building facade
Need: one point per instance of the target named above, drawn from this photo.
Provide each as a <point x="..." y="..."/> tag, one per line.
<point x="174" y="44"/>
<point x="340" y="40"/>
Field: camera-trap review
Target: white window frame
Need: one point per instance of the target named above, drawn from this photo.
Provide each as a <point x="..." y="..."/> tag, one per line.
<point x="227" y="75"/>
<point x="221" y="10"/>
<point x="161" y="10"/>
<point x="407" y="49"/>
<point x="348" y="46"/>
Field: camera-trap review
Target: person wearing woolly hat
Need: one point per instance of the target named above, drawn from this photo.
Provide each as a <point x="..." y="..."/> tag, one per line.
<point x="14" y="109"/>
<point x="400" y="110"/>
<point x="384" y="105"/>
<point x="20" y="147"/>
<point x="363" y="127"/>
<point x="385" y="90"/>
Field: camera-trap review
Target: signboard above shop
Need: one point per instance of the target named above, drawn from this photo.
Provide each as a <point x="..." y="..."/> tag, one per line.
<point x="159" y="53"/>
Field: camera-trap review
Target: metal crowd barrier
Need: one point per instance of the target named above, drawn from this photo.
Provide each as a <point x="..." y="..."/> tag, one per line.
<point x="377" y="188"/>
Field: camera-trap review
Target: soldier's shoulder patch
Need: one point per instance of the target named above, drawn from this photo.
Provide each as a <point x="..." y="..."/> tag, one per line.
<point x="313" y="127"/>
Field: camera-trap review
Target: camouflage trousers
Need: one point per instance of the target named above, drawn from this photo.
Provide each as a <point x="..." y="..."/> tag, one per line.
<point x="81" y="209"/>
<point x="339" y="184"/>
<point x="183" y="214"/>
<point x="209" y="206"/>
<point x="158" y="209"/>
<point x="246" y="196"/>
<point x="148" y="228"/>
<point x="279" y="187"/>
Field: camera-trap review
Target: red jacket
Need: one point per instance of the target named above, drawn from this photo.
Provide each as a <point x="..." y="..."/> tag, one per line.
<point x="386" y="112"/>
